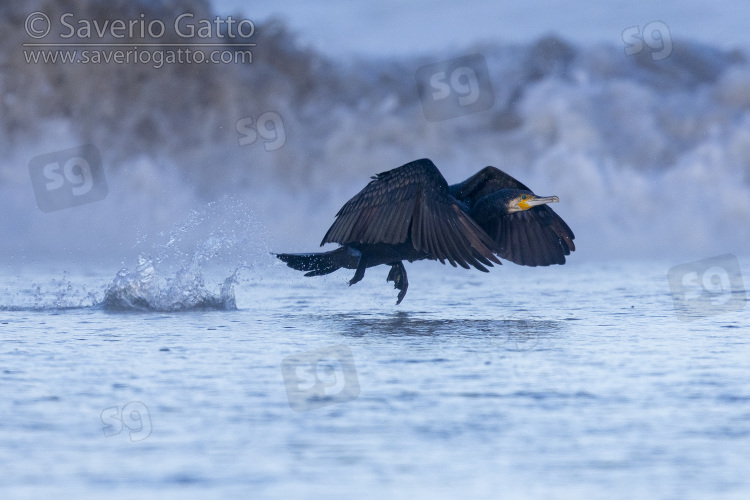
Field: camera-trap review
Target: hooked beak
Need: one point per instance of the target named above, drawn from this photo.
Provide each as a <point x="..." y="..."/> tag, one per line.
<point x="537" y="200"/>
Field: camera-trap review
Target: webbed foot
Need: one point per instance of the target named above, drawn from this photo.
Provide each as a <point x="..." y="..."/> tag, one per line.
<point x="397" y="274"/>
<point x="360" y="272"/>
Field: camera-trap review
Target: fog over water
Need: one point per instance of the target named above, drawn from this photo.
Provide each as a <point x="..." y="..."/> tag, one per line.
<point x="649" y="157"/>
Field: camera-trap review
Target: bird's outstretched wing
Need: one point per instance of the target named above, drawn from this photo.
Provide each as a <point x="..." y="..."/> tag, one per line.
<point x="414" y="200"/>
<point x="534" y="237"/>
<point x="486" y="181"/>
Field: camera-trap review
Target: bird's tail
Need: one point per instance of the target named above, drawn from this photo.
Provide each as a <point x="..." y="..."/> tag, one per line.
<point x="318" y="264"/>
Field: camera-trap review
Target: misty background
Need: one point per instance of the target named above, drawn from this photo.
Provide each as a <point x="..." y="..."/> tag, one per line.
<point x="649" y="155"/>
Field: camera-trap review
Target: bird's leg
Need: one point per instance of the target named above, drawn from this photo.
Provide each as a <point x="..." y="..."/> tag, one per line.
<point x="397" y="274"/>
<point x="360" y="272"/>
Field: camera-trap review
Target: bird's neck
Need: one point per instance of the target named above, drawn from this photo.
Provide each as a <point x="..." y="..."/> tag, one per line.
<point x="491" y="206"/>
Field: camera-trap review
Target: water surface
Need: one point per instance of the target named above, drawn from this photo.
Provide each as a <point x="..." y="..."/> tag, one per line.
<point x="568" y="382"/>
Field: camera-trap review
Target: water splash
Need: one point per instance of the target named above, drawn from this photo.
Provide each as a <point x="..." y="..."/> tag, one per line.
<point x="56" y="294"/>
<point x="219" y="237"/>
<point x="194" y="266"/>
<point x="144" y="289"/>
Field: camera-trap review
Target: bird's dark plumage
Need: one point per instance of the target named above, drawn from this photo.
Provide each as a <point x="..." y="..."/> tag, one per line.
<point x="411" y="213"/>
<point x="413" y="202"/>
<point x="534" y="237"/>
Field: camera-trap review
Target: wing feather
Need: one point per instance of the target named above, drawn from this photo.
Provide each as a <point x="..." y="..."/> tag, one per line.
<point x="414" y="201"/>
<point x="458" y="246"/>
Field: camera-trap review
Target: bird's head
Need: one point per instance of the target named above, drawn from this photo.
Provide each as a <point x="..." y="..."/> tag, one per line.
<point x="507" y="201"/>
<point x="524" y="200"/>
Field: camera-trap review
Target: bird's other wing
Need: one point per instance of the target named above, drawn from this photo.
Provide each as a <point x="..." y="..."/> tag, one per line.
<point x="486" y="181"/>
<point x="414" y="200"/>
<point x="534" y="237"/>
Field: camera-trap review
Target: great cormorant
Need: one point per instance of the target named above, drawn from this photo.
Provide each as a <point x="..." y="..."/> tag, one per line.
<point x="411" y="213"/>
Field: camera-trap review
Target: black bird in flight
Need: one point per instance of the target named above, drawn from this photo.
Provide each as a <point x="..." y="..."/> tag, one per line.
<point x="411" y="213"/>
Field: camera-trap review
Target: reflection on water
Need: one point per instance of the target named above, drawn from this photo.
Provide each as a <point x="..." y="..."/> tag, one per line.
<point x="518" y="331"/>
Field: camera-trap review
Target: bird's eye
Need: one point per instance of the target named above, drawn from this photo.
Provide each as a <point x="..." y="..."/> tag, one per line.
<point x="523" y="197"/>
